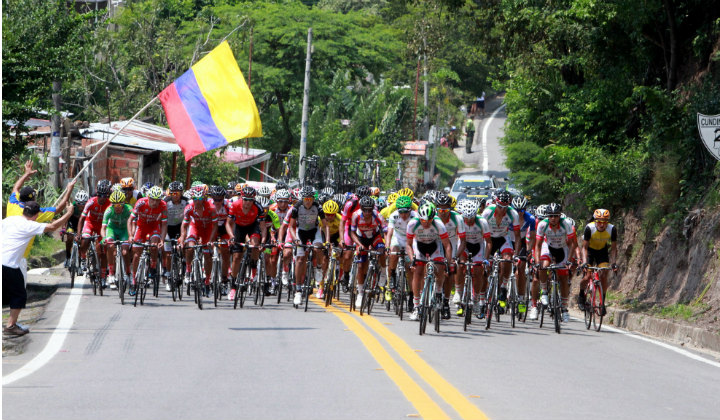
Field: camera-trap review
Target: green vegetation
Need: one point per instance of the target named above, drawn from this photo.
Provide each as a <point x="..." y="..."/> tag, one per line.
<point x="447" y="164"/>
<point x="45" y="246"/>
<point x="681" y="311"/>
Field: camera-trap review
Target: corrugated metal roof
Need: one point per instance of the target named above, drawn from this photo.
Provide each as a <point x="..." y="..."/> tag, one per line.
<point x="137" y="134"/>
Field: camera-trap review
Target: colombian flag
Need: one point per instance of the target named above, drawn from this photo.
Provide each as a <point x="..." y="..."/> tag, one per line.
<point x="211" y="105"/>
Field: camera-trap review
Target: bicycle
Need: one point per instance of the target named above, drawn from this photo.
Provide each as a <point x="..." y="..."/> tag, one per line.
<point x="291" y="274"/>
<point x="74" y="267"/>
<point x="329" y="174"/>
<point x="286" y="171"/>
<point x="309" y="274"/>
<point x="352" y="283"/>
<point x="594" y="299"/>
<point x="492" y="301"/>
<point x="429" y="309"/>
<point x="333" y="274"/>
<point x="372" y="278"/>
<point x="216" y="273"/>
<point x="466" y="301"/>
<point x="260" y="282"/>
<point x="400" y="292"/>
<point x="244" y="278"/>
<point x="141" y="274"/>
<point x="197" y="275"/>
<point x="177" y="270"/>
<point x="555" y="302"/>
<point x="120" y="268"/>
<point x="398" y="175"/>
<point x="92" y="263"/>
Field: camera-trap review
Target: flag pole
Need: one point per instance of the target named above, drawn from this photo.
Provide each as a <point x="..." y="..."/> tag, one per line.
<point x="107" y="143"/>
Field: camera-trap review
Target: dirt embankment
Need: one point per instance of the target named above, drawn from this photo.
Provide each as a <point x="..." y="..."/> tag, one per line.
<point x="675" y="274"/>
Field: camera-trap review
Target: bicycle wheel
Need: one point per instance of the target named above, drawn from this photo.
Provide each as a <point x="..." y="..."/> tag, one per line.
<point x="263" y="280"/>
<point x="490" y="303"/>
<point x="100" y="286"/>
<point x="307" y="287"/>
<point x="73" y="264"/>
<point x="238" y="284"/>
<point x="329" y="286"/>
<point x="121" y="288"/>
<point x="244" y="285"/>
<point x="198" y="281"/>
<point x="467" y="292"/>
<point x="139" y="275"/>
<point x="589" y="300"/>
<point x="436" y="309"/>
<point x="93" y="282"/>
<point x="512" y="302"/>
<point x="156" y="281"/>
<point x="179" y="276"/>
<point x="556" y="307"/>
<point x="541" y="312"/>
<point x="216" y="285"/>
<point x="400" y="294"/>
<point x="598" y="305"/>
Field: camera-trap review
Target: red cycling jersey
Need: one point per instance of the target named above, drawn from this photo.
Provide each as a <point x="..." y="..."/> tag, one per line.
<point x="147" y="216"/>
<point x="241" y="218"/>
<point x="201" y="220"/>
<point x="94" y="211"/>
<point x="349" y="209"/>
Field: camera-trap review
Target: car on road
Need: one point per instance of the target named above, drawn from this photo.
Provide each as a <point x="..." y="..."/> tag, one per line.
<point x="473" y="187"/>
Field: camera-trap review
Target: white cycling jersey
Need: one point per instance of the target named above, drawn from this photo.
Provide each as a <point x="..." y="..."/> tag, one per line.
<point x="502" y="227"/>
<point x="557" y="236"/>
<point x="399" y="227"/>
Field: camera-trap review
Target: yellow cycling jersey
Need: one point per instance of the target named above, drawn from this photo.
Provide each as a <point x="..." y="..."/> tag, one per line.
<point x="387" y="211"/>
<point x="15" y="208"/>
<point x="334" y="224"/>
<point x="599" y="240"/>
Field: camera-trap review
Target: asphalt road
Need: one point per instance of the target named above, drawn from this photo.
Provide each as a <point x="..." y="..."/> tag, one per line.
<point x="169" y="360"/>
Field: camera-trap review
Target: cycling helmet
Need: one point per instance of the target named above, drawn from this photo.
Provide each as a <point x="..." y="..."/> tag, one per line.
<point x="363" y="191"/>
<point x="443" y="200"/>
<point x="601" y="215"/>
<point x="403" y="202"/>
<point x="195" y="183"/>
<point x="339" y="198"/>
<point x="230" y="186"/>
<point x="407" y="192"/>
<point x="155" y="192"/>
<point x="375" y="191"/>
<point x="117" y="197"/>
<point x="263" y="201"/>
<point x="281" y="186"/>
<point x="198" y="192"/>
<point x="553" y="209"/>
<point x="176" y="186"/>
<point x="217" y="190"/>
<point x="248" y="192"/>
<point x="392" y="197"/>
<point x="519" y="203"/>
<point x="103" y="189"/>
<point x="468" y="210"/>
<point x="239" y="187"/>
<point x="350" y="196"/>
<point x="307" y="192"/>
<point x="328" y="191"/>
<point x="482" y="203"/>
<point x="427" y="211"/>
<point x="540" y="212"/>
<point x="282" y="195"/>
<point x="127" y="183"/>
<point x="322" y="198"/>
<point x="330" y="207"/>
<point x="367" y="202"/>
<point x="503" y="198"/>
<point x="187" y="195"/>
<point x="381" y="204"/>
<point x="453" y="201"/>
<point x="264" y="191"/>
<point x="116" y="187"/>
<point x="82" y="196"/>
<point x="145" y="188"/>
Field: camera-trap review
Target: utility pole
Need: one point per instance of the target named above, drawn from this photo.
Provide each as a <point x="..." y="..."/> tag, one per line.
<point x="306" y="100"/>
<point x="55" y="152"/>
<point x="426" y="121"/>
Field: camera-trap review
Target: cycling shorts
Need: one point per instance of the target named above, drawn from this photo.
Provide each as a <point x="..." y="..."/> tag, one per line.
<point x="560" y="255"/>
<point x="90" y="229"/>
<point x="476" y="252"/>
<point x="501" y="244"/>
<point x="147" y="232"/>
<point x="173" y="232"/>
<point x="196" y="235"/>
<point x="313" y="236"/>
<point x="398" y="240"/>
<point x="112" y="235"/>
<point x="346" y="236"/>
<point x="72" y="224"/>
<point x="244" y="232"/>
<point x="599" y="258"/>
<point x="432" y="249"/>
<point x="376" y="242"/>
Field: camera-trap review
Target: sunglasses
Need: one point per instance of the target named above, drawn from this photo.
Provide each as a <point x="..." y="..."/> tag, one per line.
<point x="283" y="201"/>
<point x="553" y="215"/>
<point x="175" y="193"/>
<point x="103" y="195"/>
<point x="443" y="210"/>
<point x="248" y="199"/>
<point x="198" y="198"/>
<point x="502" y="206"/>
<point x="404" y="210"/>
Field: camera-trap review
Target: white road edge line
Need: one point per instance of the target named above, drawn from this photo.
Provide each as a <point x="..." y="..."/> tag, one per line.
<point x="484" y="139"/>
<point x="56" y="340"/>
<point x="659" y="343"/>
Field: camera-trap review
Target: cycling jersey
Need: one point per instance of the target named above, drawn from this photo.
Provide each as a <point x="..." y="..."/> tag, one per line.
<point x="93" y="214"/>
<point x="475" y="235"/>
<point x="456" y="230"/>
<point x="305" y="218"/>
<point x="366" y="227"/>
<point x="528" y="225"/>
<point x="200" y="222"/>
<point x="252" y="217"/>
<point x="148" y="216"/>
<point x="557" y="236"/>
<point x="222" y="212"/>
<point x="399" y="227"/>
<point x="511" y="221"/>
<point x="425" y="240"/>
<point x="599" y="240"/>
<point x="133" y="198"/>
<point x="175" y="212"/>
<point x="116" y="223"/>
<point x="333" y="225"/>
<point x="281" y="214"/>
<point x="390" y="209"/>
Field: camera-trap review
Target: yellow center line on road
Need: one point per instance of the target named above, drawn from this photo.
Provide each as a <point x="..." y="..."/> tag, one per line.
<point x="451" y="395"/>
<point x="427" y="408"/>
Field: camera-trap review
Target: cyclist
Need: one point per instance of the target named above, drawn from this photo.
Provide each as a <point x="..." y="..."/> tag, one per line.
<point x="264" y="191"/>
<point x="273" y="223"/>
<point x="456" y="234"/>
<point x="281" y="207"/>
<point x="176" y="204"/>
<point x="477" y="249"/>
<point x="502" y="219"/>
<point x="115" y="228"/>
<point x="81" y="199"/>
<point x="90" y="224"/>
<point x="555" y="240"/>
<point x="527" y="241"/>
<point x="148" y="220"/>
<point x="245" y="220"/>
<point x="599" y="250"/>
<point x="423" y="233"/>
<point x="217" y="195"/>
<point x="199" y="226"/>
<point x="131" y="194"/>
<point x="301" y="225"/>
<point x="366" y="231"/>
<point x="332" y="221"/>
<point x="396" y="236"/>
<point x="352" y="205"/>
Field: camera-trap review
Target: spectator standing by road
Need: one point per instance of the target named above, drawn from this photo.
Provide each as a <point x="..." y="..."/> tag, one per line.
<point x="480" y="104"/>
<point x="470" y="134"/>
<point x="17" y="232"/>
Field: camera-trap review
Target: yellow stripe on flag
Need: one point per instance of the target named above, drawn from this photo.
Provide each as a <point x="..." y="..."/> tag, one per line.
<point x="231" y="103"/>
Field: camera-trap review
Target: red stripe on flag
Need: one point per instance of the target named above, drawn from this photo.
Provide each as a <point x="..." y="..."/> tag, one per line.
<point x="180" y="123"/>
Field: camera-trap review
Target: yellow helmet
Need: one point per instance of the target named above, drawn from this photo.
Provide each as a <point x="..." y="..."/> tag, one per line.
<point x="392" y="197"/>
<point x="453" y="202"/>
<point x="406" y="192"/>
<point x="330" y="207"/>
<point x="117" y="197"/>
